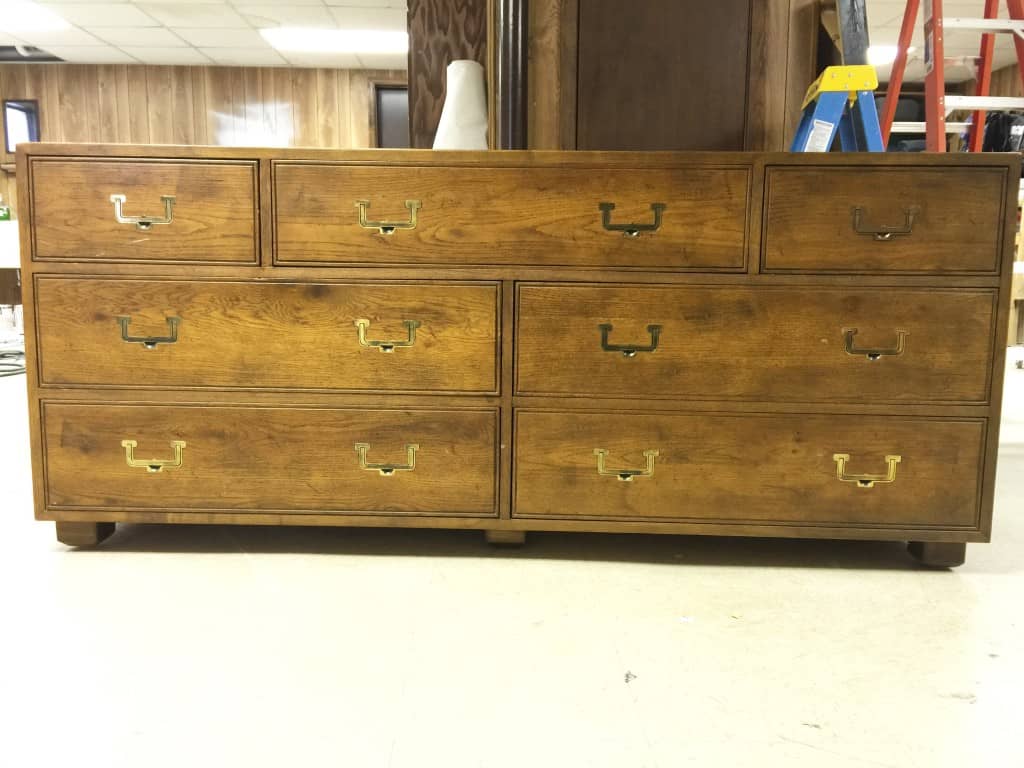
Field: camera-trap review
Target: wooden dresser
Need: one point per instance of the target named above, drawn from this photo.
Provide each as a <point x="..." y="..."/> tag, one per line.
<point x="738" y="344"/>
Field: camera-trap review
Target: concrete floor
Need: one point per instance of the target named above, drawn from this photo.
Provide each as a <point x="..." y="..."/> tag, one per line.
<point x="220" y="646"/>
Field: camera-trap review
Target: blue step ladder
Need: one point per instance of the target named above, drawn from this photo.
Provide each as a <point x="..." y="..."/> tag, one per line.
<point x="840" y="101"/>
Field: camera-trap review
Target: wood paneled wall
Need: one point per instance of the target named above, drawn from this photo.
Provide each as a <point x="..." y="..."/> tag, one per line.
<point x="194" y="105"/>
<point x="781" y="64"/>
<point x="1005" y="82"/>
<point x="440" y="32"/>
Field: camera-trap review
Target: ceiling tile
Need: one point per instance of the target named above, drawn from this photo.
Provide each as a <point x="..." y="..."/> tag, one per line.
<point x="49" y="38"/>
<point x="136" y="36"/>
<point x="383" y="60"/>
<point x="245" y="57"/>
<point x="223" y="38"/>
<point x="400" y="4"/>
<point x="370" y="18"/>
<point x="206" y="15"/>
<point x="91" y="54"/>
<point x="286" y="15"/>
<point x="324" y="60"/>
<point x="157" y="55"/>
<point x="102" y="14"/>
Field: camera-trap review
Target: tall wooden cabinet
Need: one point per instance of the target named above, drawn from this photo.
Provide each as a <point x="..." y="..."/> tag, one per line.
<point x="668" y="74"/>
<point x="662" y="74"/>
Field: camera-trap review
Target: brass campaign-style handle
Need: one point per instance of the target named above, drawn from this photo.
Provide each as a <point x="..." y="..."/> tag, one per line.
<point x="885" y="233"/>
<point x="386" y="470"/>
<point x="626" y="475"/>
<point x="386" y="346"/>
<point x="150" y="342"/>
<point x="152" y="465"/>
<point x="143" y="223"/>
<point x="388" y="227"/>
<point x="629" y="350"/>
<point x="630" y="230"/>
<point x="866" y="480"/>
<point x="875" y="354"/>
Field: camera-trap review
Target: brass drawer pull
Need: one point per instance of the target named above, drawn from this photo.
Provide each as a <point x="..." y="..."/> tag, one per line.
<point x="866" y="481"/>
<point x="388" y="227"/>
<point x="386" y="346"/>
<point x="885" y="233"/>
<point x="630" y="230"/>
<point x="150" y="342"/>
<point x="629" y="350"/>
<point x="875" y="354"/>
<point x="626" y="475"/>
<point x="152" y="465"/>
<point x="386" y="470"/>
<point x="143" y="223"/>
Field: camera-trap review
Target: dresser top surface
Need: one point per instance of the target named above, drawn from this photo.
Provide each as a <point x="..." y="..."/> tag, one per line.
<point x="519" y="158"/>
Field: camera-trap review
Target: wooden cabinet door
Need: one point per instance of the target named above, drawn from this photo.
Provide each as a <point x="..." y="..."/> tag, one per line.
<point x="662" y="74"/>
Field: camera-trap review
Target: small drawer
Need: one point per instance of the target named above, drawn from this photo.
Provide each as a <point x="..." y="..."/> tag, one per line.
<point x="270" y="459"/>
<point x="386" y="337"/>
<point x="829" y="470"/>
<point x="945" y="220"/>
<point x="769" y="343"/>
<point x="144" y="211"/>
<point x="690" y="218"/>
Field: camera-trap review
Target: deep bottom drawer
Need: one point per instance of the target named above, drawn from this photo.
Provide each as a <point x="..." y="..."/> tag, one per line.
<point x="858" y="471"/>
<point x="270" y="459"/>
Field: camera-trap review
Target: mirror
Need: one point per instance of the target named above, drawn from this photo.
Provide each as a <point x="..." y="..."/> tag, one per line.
<point x="21" y="122"/>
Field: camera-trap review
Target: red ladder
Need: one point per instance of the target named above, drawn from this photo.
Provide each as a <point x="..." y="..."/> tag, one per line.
<point x="936" y="101"/>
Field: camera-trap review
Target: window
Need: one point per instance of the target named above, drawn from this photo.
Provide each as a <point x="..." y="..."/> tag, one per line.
<point x="21" y="122"/>
<point x="392" y="110"/>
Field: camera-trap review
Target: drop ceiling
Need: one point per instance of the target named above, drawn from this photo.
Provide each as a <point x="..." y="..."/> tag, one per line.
<point x="886" y="16"/>
<point x="225" y="32"/>
<point x="212" y="32"/>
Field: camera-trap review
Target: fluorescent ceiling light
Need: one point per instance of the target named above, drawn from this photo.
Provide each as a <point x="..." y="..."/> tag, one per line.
<point x="24" y="16"/>
<point x="880" y="55"/>
<point x="301" y="40"/>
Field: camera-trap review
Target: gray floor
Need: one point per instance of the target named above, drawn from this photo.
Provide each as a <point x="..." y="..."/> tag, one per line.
<point x="218" y="646"/>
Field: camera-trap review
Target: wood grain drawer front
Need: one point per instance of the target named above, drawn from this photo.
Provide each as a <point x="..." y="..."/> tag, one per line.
<point x="269" y="459"/>
<point x="211" y="207"/>
<point x="750" y="468"/>
<point x="884" y="220"/>
<point x="320" y="336"/>
<point x="786" y="344"/>
<point x="540" y="216"/>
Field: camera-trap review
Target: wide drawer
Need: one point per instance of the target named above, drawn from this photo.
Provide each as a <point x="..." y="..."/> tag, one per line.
<point x="199" y="211"/>
<point x="398" y="337"/>
<point x="884" y="220"/>
<point x="825" y="344"/>
<point x="270" y="459"/>
<point x="858" y="471"/>
<point x="541" y="216"/>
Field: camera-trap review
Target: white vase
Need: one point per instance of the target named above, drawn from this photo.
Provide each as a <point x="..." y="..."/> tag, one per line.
<point x="463" y="123"/>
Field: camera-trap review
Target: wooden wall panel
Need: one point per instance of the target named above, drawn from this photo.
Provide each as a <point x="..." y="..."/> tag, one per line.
<point x="440" y="32"/>
<point x="194" y="105"/>
<point x="1005" y="82"/>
